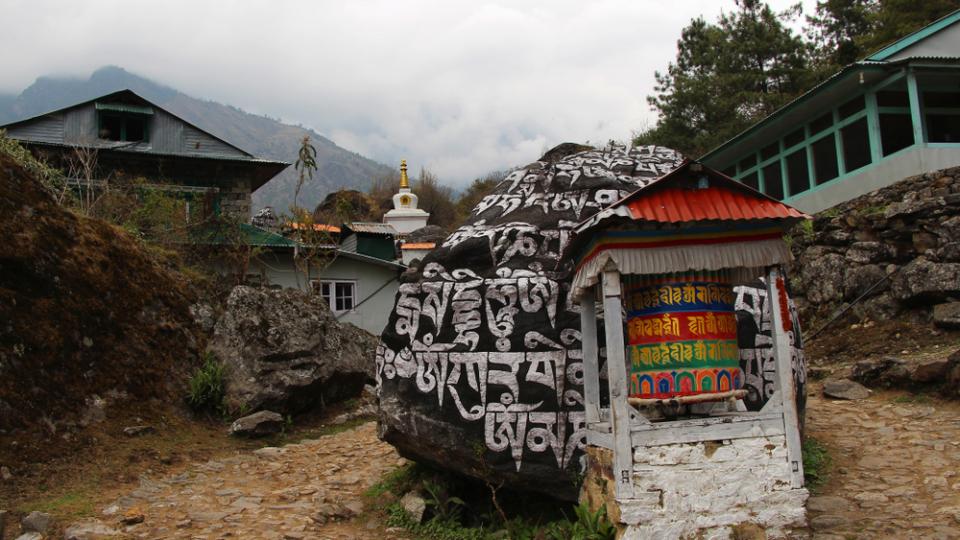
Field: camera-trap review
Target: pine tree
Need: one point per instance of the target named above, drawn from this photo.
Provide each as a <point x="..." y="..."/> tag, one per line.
<point x="726" y="76"/>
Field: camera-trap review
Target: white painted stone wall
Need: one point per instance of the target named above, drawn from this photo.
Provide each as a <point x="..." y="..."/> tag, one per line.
<point x="705" y="489"/>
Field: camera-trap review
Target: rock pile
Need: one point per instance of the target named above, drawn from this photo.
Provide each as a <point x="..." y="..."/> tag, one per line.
<point x="898" y="248"/>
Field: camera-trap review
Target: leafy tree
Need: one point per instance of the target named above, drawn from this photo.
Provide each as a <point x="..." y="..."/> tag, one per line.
<point x="435" y="198"/>
<point x="894" y="19"/>
<point x="479" y="188"/>
<point x="727" y="76"/>
<point x="306" y="165"/>
<point x="837" y="31"/>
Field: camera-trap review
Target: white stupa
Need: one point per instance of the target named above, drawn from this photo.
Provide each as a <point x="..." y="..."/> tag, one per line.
<point x="405" y="216"/>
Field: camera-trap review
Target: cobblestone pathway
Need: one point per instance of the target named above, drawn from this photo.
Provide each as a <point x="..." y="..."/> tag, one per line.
<point x="310" y="490"/>
<point x="896" y="468"/>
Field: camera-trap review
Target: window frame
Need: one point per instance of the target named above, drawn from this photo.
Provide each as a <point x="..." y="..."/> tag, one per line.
<point x="124" y="117"/>
<point x="332" y="297"/>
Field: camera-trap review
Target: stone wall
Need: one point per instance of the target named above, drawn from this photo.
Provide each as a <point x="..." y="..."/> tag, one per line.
<point x="235" y="200"/>
<point x="709" y="489"/>
<point x="898" y="247"/>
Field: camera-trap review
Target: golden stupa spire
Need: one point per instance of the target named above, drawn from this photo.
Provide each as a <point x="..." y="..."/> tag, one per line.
<point x="404" y="181"/>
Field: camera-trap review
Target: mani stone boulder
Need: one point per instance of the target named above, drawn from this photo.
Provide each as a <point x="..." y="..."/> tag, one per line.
<point x="480" y="366"/>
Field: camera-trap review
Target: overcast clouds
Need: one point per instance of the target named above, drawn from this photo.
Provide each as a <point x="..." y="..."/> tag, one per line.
<point x="459" y="87"/>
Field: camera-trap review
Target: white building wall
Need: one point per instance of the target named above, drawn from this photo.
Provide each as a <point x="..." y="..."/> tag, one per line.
<point x="374" y="304"/>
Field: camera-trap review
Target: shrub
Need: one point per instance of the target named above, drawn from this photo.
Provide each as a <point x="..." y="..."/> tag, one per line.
<point x="816" y="462"/>
<point x="207" y="387"/>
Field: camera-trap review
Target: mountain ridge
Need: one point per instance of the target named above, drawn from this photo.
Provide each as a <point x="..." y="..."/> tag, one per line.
<point x="260" y="135"/>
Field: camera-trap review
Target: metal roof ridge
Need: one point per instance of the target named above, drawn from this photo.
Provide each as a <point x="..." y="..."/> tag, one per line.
<point x="916" y="36"/>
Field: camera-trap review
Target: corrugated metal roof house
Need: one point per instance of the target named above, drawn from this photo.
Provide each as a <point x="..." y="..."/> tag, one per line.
<point x="136" y="138"/>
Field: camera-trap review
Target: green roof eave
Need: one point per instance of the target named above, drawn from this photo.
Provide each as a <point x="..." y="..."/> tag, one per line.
<point x="123" y="108"/>
<point x="245" y="234"/>
<point x="915" y="37"/>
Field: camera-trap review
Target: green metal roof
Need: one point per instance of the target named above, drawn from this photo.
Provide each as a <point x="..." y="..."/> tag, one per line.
<point x="915" y="37"/>
<point x="248" y="234"/>
<point x="123" y="108"/>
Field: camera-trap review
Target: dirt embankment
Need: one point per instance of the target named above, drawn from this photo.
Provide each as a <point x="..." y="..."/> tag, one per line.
<point x="87" y="316"/>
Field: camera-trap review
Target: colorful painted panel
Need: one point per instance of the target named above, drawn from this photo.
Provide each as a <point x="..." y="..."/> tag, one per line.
<point x="682" y="335"/>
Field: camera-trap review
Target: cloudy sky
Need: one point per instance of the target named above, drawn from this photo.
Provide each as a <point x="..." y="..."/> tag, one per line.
<point x="460" y="87"/>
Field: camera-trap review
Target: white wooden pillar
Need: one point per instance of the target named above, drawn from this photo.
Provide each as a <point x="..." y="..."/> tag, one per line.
<point x="591" y="361"/>
<point x="617" y="381"/>
<point x="784" y="384"/>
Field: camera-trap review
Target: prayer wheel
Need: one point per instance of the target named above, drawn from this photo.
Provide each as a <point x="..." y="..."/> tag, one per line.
<point x="682" y="335"/>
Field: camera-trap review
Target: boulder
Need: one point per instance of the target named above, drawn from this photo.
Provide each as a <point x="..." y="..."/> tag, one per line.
<point x="284" y="351"/>
<point x="887" y="371"/>
<point x="860" y="279"/>
<point x="868" y="252"/>
<point x="951" y="388"/>
<point x="480" y="365"/>
<point x="258" y="424"/>
<point x="891" y="372"/>
<point x="414" y="505"/>
<point x="923" y="280"/>
<point x="947" y="315"/>
<point x="430" y="233"/>
<point x="844" y="389"/>
<point x="825" y="276"/>
<point x="36" y="522"/>
<point x="90" y="530"/>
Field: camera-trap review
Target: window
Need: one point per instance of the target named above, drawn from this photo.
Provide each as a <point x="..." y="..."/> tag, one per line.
<point x="769" y="151"/>
<point x="896" y="132"/>
<point x="825" y="159"/>
<point x="773" y="180"/>
<point x="751" y="180"/>
<point x="798" y="175"/>
<point x="942" y="115"/>
<point x="821" y="123"/>
<point x="852" y="107"/>
<point x="856" y="145"/>
<point x="793" y="138"/>
<point x="122" y="127"/>
<point x="340" y="295"/>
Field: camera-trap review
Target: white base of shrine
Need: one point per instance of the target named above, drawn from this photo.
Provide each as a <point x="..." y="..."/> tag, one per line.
<point x="706" y="490"/>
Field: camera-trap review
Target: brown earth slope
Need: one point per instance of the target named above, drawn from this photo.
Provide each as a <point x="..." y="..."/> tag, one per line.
<point x="86" y="316"/>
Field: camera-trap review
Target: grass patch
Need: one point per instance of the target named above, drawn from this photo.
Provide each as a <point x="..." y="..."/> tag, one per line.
<point x="72" y="504"/>
<point x="918" y="399"/>
<point x="207" y="387"/>
<point x="816" y="463"/>
<point x="397" y="482"/>
<point x="460" y="509"/>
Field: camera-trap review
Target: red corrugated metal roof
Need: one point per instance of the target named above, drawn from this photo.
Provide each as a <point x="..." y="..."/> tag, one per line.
<point x="673" y="205"/>
<point x="418" y="245"/>
<point x="296" y="225"/>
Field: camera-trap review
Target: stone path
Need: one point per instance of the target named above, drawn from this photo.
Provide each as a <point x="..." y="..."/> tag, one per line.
<point x="896" y="468"/>
<point x="309" y="490"/>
